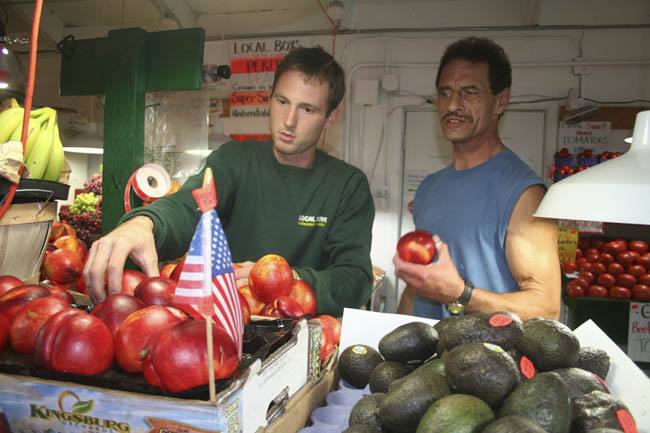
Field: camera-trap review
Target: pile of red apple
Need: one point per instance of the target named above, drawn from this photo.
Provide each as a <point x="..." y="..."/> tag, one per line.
<point x="610" y="269"/>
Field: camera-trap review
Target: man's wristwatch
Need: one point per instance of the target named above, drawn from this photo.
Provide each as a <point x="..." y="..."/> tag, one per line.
<point x="458" y="306"/>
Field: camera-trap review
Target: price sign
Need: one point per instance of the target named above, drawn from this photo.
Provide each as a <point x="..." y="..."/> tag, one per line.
<point x="567" y="244"/>
<point x="638" y="336"/>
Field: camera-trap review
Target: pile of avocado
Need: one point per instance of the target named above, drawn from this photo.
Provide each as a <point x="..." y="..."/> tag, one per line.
<point x="482" y="373"/>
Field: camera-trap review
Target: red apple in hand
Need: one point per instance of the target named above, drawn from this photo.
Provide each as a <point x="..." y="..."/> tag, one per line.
<point x="156" y="291"/>
<point x="270" y="277"/>
<point x="417" y="247"/>
<point x="74" y="342"/>
<point x="134" y="332"/>
<point x="4" y="331"/>
<point x="115" y="308"/>
<point x="62" y="266"/>
<point x="177" y="359"/>
<point x="29" y="320"/>
<point x="256" y="306"/>
<point x="130" y="280"/>
<point x="302" y="293"/>
<point x="8" y="282"/>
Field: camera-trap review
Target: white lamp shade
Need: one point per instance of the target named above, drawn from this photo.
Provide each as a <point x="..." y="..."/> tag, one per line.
<point x="616" y="191"/>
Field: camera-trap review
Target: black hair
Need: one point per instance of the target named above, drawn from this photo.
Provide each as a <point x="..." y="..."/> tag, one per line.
<point x="481" y="50"/>
<point x="315" y="62"/>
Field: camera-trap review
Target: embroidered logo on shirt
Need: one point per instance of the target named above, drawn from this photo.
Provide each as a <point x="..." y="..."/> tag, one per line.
<point x="312" y="221"/>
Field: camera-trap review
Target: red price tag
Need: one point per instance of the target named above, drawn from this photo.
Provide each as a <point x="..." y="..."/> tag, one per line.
<point x="500" y="320"/>
<point x="206" y="196"/>
<point x="527" y="367"/>
<point x="626" y="421"/>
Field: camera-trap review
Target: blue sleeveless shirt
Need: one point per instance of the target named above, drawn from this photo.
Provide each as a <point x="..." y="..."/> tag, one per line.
<point x="470" y="210"/>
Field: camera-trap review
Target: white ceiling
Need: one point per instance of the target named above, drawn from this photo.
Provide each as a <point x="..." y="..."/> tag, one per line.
<point x="236" y="18"/>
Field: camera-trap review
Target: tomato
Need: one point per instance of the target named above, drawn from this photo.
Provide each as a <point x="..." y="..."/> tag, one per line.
<point x="645" y="279"/>
<point x="615" y="269"/>
<point x="640" y="247"/>
<point x="592" y="251"/>
<point x="597" y="268"/>
<point x="569" y="267"/>
<point x="581" y="282"/>
<point x="644" y="261"/>
<point x="579" y="253"/>
<point x="615" y="247"/>
<point x="606" y="280"/>
<point x="587" y="276"/>
<point x="626" y="280"/>
<point x="618" y="292"/>
<point x="636" y="271"/>
<point x="596" y="291"/>
<point x="574" y="291"/>
<point x="598" y="243"/>
<point x="626" y="259"/>
<point x="584" y="266"/>
<point x="584" y="243"/>
<point x="641" y="292"/>
<point x="606" y="259"/>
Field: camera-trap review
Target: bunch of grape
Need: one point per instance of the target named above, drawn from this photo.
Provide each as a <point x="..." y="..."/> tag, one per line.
<point x="94" y="184"/>
<point x="88" y="225"/>
<point x="86" y="202"/>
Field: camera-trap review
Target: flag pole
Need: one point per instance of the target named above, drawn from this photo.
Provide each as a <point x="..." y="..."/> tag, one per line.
<point x="207" y="288"/>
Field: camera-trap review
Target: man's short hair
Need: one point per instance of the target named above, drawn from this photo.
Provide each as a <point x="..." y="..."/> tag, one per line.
<point x="481" y="50"/>
<point x="315" y="62"/>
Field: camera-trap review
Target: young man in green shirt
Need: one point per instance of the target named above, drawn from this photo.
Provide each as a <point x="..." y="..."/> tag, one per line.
<point x="285" y="197"/>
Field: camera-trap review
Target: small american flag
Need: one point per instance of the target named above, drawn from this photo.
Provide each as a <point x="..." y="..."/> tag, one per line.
<point x="211" y="291"/>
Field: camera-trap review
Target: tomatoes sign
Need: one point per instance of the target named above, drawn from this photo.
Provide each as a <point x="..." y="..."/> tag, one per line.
<point x="638" y="337"/>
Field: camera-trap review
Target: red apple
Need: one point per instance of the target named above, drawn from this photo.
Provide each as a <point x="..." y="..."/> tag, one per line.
<point x="167" y="269"/>
<point x="302" y="292"/>
<point x="643" y="260"/>
<point x="62" y="266"/>
<point x="59" y="291"/>
<point x="626" y="280"/>
<point x="29" y="320"/>
<point x="74" y="342"/>
<point x="4" y="332"/>
<point x="130" y="280"/>
<point x="288" y="307"/>
<point x="177" y="360"/>
<point x="615" y="269"/>
<point x="256" y="306"/>
<point x="245" y="309"/>
<point x="270" y="277"/>
<point x="134" y="332"/>
<point x="640" y="247"/>
<point x="73" y="244"/>
<point x="8" y="282"/>
<point x="176" y="272"/>
<point x="156" y="291"/>
<point x="115" y="308"/>
<point x="331" y="327"/>
<point x="417" y="247"/>
<point x="15" y="299"/>
<point x="61" y="229"/>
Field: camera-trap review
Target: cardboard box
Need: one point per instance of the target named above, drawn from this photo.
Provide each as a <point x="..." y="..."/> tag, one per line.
<point x="32" y="404"/>
<point x="624" y="380"/>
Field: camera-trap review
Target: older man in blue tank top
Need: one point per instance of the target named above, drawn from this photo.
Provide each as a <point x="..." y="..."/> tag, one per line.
<point x="493" y="255"/>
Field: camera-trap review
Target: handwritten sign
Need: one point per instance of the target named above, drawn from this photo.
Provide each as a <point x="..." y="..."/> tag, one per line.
<point x="585" y="227"/>
<point x="567" y="244"/>
<point x="638" y="336"/>
<point x="584" y="135"/>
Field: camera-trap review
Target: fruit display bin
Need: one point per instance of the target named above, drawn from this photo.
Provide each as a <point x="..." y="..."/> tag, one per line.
<point x="287" y="359"/>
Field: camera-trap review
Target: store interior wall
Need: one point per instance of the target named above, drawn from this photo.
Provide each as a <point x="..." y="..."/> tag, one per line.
<point x="545" y="67"/>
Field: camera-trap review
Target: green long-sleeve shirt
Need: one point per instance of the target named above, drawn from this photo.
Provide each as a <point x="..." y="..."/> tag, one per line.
<point x="319" y="219"/>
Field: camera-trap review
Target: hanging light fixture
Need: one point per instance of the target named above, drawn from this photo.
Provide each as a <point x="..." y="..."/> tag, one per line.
<point x="12" y="80"/>
<point x="614" y="191"/>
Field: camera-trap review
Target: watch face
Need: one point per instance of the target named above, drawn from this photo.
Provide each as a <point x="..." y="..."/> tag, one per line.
<point x="455" y="308"/>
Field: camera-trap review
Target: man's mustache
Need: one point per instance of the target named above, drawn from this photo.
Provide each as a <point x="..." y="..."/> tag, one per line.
<point x="456" y="115"/>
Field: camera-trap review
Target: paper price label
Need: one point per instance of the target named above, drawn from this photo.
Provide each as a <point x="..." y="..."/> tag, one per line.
<point x="567" y="245"/>
<point x="638" y="336"/>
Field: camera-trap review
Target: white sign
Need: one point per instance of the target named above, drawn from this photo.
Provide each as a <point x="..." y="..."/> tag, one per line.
<point x="638" y="336"/>
<point x="584" y="135"/>
<point x="591" y="227"/>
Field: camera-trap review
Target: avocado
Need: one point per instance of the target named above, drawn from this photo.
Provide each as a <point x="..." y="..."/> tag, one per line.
<point x="544" y="399"/>
<point x="409" y="397"/>
<point x="356" y="363"/>
<point x="414" y="341"/>
<point x="597" y="410"/>
<point x="385" y="373"/>
<point x="579" y="382"/>
<point x="365" y="411"/>
<point x="503" y="329"/>
<point x="595" y="360"/>
<point x="483" y="370"/>
<point x="456" y="413"/>
<point x="434" y="366"/>
<point x="513" y="424"/>
<point x="439" y="327"/>
<point x="549" y="344"/>
<point x="360" y="428"/>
